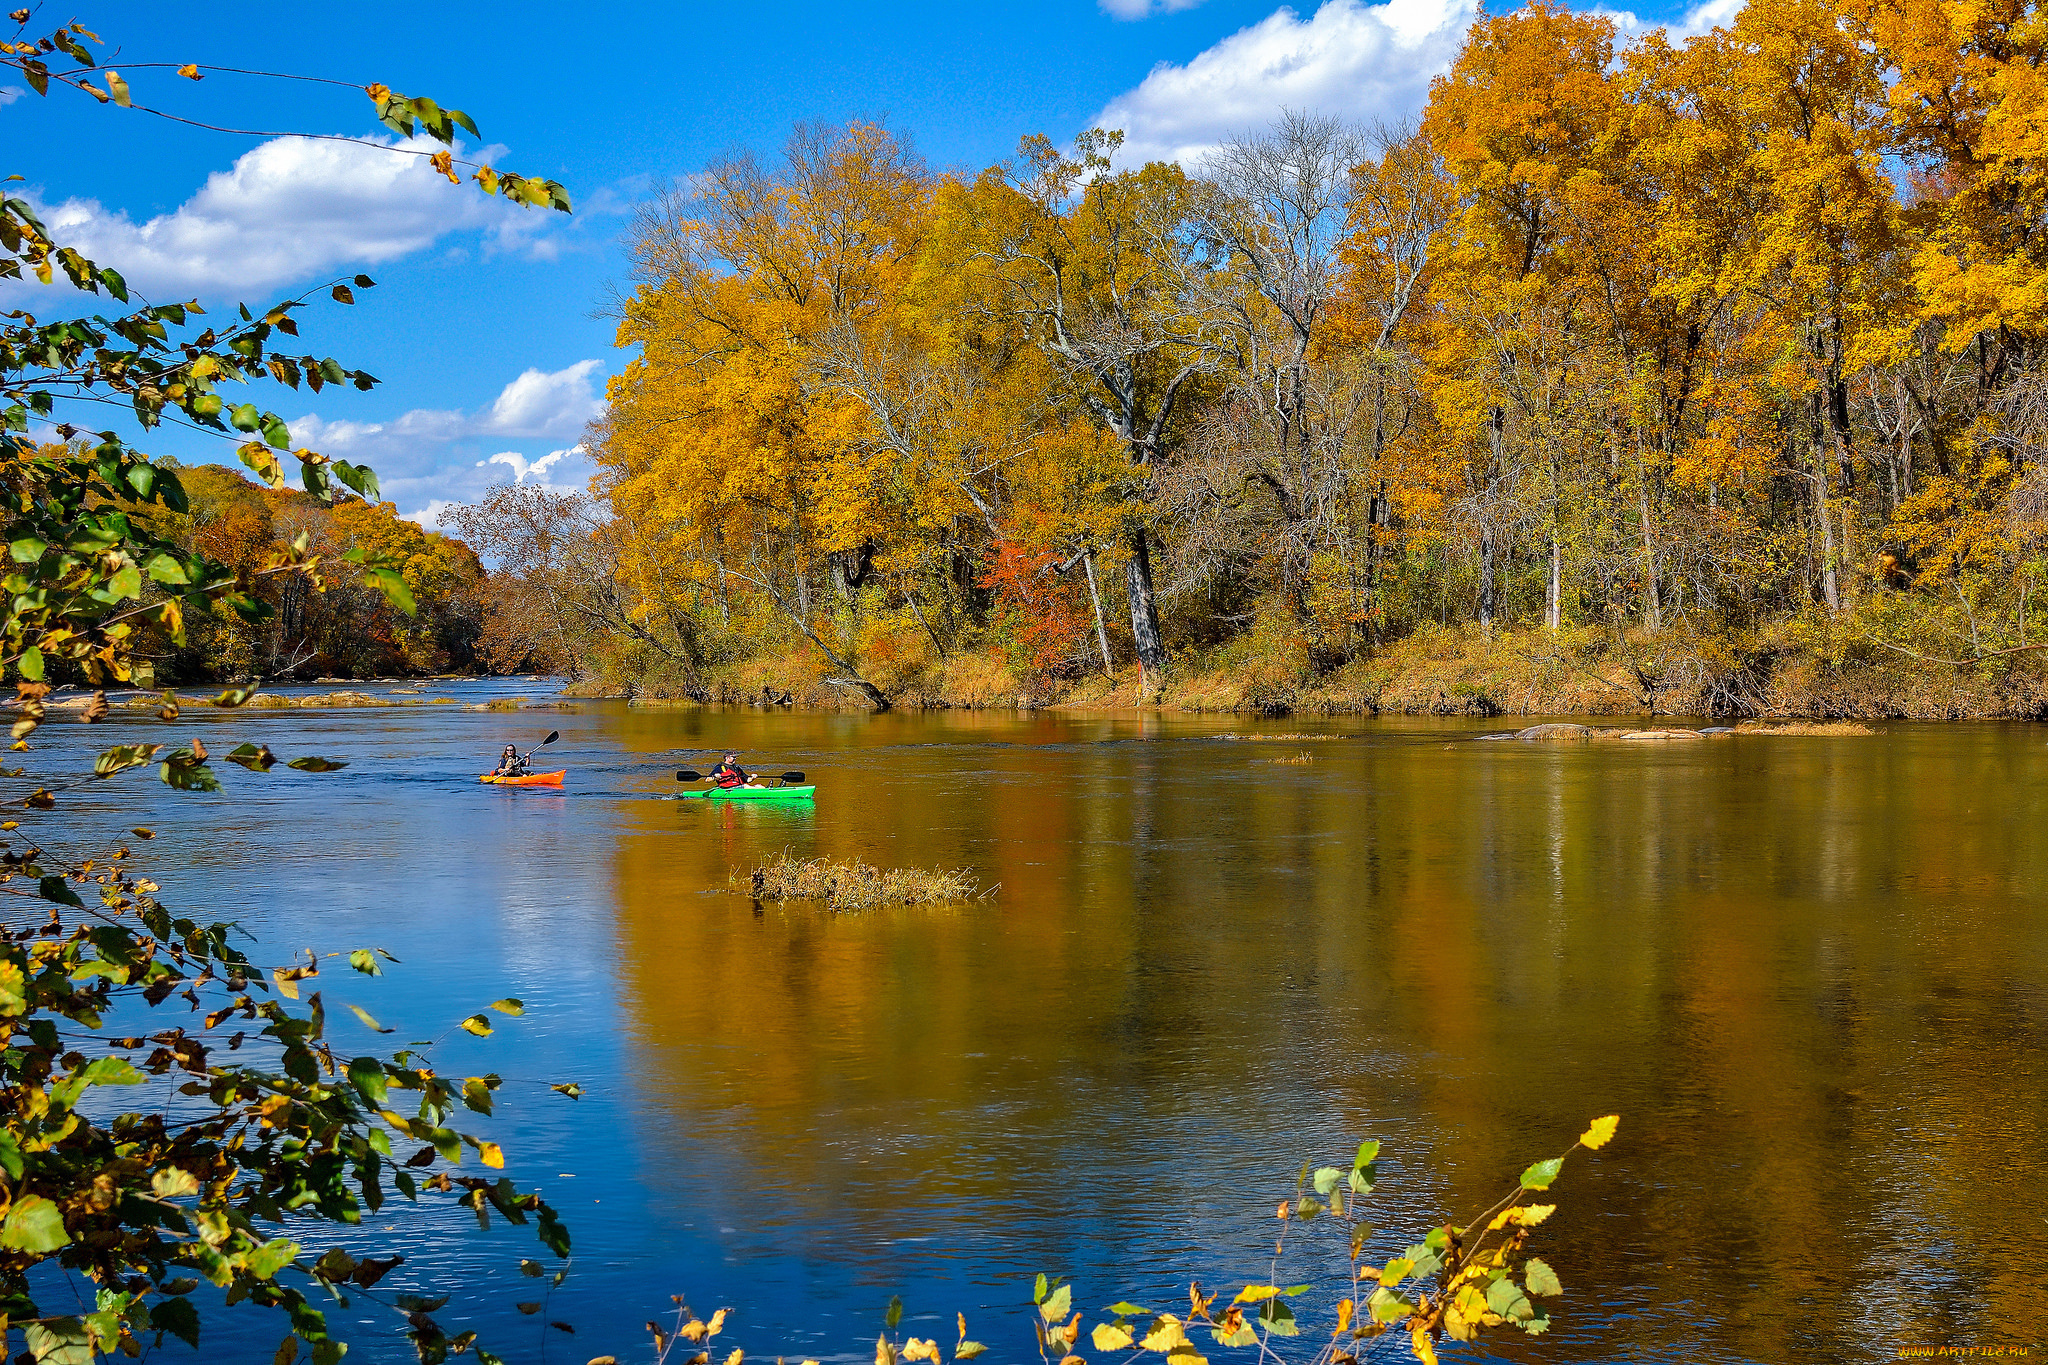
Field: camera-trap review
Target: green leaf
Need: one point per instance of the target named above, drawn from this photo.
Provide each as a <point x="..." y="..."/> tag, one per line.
<point x="54" y="888"/>
<point x="1039" y="1289"/>
<point x="273" y="1256"/>
<point x="1279" y="1318"/>
<point x="276" y="432"/>
<point x="1128" y="1310"/>
<point x="372" y="1024"/>
<point x="165" y="567"/>
<point x="895" y="1313"/>
<point x="256" y="758"/>
<point x="190" y="777"/>
<point x="478" y="1024"/>
<point x="34" y="1225"/>
<point x="245" y="417"/>
<point x="126" y="582"/>
<point x="1540" y="1278"/>
<point x="111" y="1071"/>
<point x="509" y="1005"/>
<point x="27" y="550"/>
<point x="58" y="1341"/>
<point x="367" y="1075"/>
<point x="393" y="587"/>
<point x="312" y="764"/>
<point x="10" y="1155"/>
<point x="1367" y="1152"/>
<point x="178" y="1317"/>
<point x="31" y="664"/>
<point x="1057" y="1303"/>
<point x="1540" y="1176"/>
<point x="1505" y="1298"/>
<point x="123" y="756"/>
<point x="1327" y="1178"/>
<point x="365" y="961"/>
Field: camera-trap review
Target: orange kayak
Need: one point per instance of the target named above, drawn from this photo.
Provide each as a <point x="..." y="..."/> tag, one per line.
<point x="530" y="780"/>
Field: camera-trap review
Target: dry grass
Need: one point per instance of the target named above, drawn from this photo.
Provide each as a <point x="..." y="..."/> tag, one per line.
<point x="1805" y="727"/>
<point x="856" y="885"/>
<point x="1303" y="757"/>
<point x="1289" y="739"/>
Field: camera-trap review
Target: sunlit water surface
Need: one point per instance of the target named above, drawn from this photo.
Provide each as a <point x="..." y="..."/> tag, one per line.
<point x="1808" y="972"/>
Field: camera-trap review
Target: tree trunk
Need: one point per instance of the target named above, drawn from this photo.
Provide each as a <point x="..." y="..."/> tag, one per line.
<point x="1553" y="602"/>
<point x="1830" y="586"/>
<point x="1486" y="577"/>
<point x="1653" y="603"/>
<point x="1145" y="612"/>
<point x="1095" y="596"/>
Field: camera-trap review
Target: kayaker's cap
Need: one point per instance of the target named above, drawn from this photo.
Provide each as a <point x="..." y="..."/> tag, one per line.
<point x="730" y="758"/>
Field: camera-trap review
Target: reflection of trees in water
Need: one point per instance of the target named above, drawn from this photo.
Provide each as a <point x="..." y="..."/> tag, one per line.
<point x="1806" y="971"/>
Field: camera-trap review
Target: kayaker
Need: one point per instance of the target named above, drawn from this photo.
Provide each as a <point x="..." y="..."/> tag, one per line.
<point x="730" y="774"/>
<point x="510" y="764"/>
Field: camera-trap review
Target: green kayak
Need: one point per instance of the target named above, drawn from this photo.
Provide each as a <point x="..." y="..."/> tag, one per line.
<point x="751" y="794"/>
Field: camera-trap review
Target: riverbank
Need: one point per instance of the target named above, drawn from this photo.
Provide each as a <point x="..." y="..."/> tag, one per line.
<point x="1796" y="670"/>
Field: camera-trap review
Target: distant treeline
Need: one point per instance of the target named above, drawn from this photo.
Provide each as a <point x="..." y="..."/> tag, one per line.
<point x="347" y="630"/>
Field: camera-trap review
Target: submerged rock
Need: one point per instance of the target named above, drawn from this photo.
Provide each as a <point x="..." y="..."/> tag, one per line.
<point x="1661" y="734"/>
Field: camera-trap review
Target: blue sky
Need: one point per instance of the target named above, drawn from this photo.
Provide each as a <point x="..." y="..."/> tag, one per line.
<point x="483" y="324"/>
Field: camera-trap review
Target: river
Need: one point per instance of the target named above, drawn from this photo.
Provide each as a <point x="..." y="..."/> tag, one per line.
<point x="1810" y="973"/>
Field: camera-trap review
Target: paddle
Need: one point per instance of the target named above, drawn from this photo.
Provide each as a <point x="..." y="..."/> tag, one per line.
<point x="553" y="735"/>
<point x="685" y="775"/>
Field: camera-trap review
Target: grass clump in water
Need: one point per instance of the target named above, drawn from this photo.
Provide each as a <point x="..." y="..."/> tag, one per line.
<point x="855" y="885"/>
<point x="1303" y="757"/>
<point x="1805" y="727"/>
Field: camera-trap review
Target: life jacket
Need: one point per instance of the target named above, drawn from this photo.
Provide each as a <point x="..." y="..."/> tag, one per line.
<point x="727" y="777"/>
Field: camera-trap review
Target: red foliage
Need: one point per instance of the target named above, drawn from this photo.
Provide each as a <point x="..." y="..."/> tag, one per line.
<point x="1051" y="610"/>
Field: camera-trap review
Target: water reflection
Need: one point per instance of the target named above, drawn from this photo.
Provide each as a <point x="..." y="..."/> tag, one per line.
<point x="1808" y="971"/>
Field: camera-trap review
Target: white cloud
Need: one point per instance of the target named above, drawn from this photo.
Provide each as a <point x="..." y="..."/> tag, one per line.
<point x="291" y="210"/>
<point x="1357" y="60"/>
<point x="1143" y="9"/>
<point x="1701" y="18"/>
<point x="10" y="93"/>
<point x="538" y="404"/>
<point x="521" y="466"/>
<point x="561" y="471"/>
<point x="1352" y="59"/>
<point x="419" y="458"/>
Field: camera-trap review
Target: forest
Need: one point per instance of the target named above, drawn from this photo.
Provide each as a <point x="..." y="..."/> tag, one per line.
<point x="293" y="627"/>
<point x="1700" y="375"/>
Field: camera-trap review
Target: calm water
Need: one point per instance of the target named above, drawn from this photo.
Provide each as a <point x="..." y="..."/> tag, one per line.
<point x="1810" y="973"/>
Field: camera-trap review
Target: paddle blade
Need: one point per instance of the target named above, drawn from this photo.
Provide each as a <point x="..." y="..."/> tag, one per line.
<point x="685" y="775"/>
<point x="553" y="735"/>
<point x="792" y="777"/>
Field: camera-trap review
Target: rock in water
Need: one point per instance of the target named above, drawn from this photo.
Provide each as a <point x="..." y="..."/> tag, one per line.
<point x="1558" y="731"/>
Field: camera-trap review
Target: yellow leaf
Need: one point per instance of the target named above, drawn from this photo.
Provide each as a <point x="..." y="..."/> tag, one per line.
<point x="492" y="1153"/>
<point x="1536" y="1213"/>
<point x="1255" y="1293"/>
<point x="1110" y="1337"/>
<point x="1166" y="1334"/>
<point x="1601" y="1133"/>
<point x="1424" y="1351"/>
<point x="120" y="88"/>
<point x="190" y="71"/>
